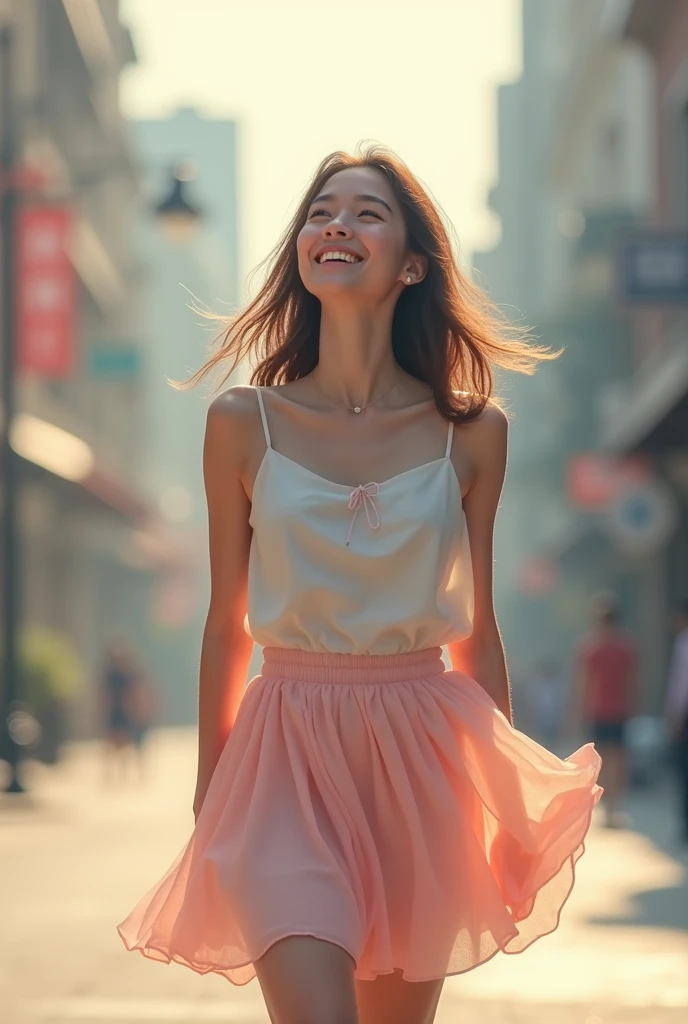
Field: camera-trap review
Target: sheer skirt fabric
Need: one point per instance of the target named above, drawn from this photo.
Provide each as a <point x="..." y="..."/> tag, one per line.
<point x="380" y="802"/>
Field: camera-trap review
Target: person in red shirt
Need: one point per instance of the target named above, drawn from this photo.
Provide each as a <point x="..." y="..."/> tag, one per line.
<point x="607" y="696"/>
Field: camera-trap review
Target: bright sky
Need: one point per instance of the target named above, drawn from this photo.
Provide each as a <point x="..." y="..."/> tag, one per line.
<point x="417" y="75"/>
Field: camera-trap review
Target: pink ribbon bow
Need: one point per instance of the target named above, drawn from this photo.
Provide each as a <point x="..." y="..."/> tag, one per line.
<point x="363" y="495"/>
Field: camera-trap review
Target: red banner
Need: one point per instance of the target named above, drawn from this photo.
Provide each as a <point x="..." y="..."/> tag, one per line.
<point x="593" y="479"/>
<point x="46" y="291"/>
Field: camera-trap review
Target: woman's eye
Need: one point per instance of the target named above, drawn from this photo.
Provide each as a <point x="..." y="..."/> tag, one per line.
<point x="321" y="212"/>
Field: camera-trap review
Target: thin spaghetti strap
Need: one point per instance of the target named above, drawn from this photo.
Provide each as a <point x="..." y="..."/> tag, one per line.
<point x="450" y="435"/>
<point x="259" y="393"/>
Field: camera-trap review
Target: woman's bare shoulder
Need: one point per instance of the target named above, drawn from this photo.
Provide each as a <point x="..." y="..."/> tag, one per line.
<point x="233" y="418"/>
<point x="234" y="403"/>
<point x="492" y="422"/>
<point x="485" y="437"/>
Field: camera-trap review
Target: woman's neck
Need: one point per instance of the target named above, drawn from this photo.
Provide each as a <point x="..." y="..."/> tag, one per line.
<point x="355" y="362"/>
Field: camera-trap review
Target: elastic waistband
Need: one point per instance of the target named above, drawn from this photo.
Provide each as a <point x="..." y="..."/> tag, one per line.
<point x="316" y="667"/>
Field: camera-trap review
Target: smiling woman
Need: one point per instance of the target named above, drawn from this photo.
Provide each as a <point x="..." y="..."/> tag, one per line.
<point x="367" y="822"/>
<point x="445" y="331"/>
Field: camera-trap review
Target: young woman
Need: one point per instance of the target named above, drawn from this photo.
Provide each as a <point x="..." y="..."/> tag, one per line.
<point x="367" y="822"/>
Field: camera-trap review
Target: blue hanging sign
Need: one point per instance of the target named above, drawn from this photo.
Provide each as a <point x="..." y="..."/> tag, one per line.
<point x="653" y="268"/>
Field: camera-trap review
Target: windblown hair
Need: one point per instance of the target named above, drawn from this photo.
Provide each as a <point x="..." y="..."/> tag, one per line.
<point x="445" y="330"/>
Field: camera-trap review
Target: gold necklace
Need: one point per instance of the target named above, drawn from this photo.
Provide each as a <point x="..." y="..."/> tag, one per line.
<point x="352" y="408"/>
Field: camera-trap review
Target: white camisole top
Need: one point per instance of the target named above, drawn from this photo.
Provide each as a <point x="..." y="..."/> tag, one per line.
<point x="382" y="568"/>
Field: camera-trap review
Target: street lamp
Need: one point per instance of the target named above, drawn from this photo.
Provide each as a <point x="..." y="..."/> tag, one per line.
<point x="10" y="740"/>
<point x="177" y="215"/>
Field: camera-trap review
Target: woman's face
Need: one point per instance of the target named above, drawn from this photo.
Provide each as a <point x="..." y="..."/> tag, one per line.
<point x="354" y="238"/>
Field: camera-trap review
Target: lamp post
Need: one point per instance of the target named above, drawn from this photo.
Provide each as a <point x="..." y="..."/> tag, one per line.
<point x="177" y="215"/>
<point x="10" y="555"/>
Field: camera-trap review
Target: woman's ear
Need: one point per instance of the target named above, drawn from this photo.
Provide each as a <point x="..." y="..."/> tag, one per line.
<point x="415" y="269"/>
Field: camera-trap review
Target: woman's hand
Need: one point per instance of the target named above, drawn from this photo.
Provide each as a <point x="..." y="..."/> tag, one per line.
<point x="199" y="798"/>
<point x="203" y="779"/>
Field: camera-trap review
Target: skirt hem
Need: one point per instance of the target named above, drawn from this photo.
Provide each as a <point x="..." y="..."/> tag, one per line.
<point x="149" y="951"/>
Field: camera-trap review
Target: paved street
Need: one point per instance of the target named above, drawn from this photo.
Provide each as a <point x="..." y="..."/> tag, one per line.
<point x="76" y="855"/>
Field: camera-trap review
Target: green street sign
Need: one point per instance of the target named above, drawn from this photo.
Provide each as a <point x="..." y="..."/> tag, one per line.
<point x="108" y="361"/>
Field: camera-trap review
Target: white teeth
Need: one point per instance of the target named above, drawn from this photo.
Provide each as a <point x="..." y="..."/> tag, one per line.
<point x="347" y="257"/>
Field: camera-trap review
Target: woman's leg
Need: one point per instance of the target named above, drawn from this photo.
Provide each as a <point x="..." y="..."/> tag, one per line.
<point x="613" y="778"/>
<point x="391" y="1000"/>
<point x="305" y="980"/>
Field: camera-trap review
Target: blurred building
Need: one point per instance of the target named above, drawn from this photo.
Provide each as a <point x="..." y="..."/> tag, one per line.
<point x="87" y="561"/>
<point x="649" y="413"/>
<point x="525" y="275"/>
<point x="585" y="160"/>
<point x="186" y="271"/>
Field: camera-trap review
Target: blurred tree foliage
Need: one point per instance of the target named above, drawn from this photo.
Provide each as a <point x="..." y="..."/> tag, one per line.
<point x="50" y="667"/>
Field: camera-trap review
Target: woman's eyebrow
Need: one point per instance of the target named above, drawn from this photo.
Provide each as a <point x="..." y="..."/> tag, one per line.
<point x="375" y="199"/>
<point x="330" y="196"/>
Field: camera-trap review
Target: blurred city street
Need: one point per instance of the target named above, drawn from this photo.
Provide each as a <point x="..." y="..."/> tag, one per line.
<point x="150" y="155"/>
<point x="77" y="854"/>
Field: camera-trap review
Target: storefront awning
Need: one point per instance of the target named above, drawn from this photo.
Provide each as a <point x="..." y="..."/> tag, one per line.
<point x="654" y="413"/>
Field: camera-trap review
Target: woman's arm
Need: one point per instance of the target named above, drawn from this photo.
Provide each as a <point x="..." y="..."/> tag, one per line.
<point x="227" y="648"/>
<point x="481" y="655"/>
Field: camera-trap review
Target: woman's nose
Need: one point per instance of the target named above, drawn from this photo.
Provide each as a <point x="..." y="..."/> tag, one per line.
<point x="337" y="229"/>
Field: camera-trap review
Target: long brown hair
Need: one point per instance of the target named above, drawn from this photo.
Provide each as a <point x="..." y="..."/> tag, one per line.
<point x="445" y="331"/>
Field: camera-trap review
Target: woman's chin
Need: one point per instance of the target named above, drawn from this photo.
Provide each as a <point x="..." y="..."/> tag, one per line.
<point x="325" y="290"/>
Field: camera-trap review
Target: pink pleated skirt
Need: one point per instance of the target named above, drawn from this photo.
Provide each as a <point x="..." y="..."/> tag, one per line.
<point x="382" y="803"/>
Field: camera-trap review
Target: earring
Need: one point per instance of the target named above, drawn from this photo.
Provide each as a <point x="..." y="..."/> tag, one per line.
<point x="408" y="279"/>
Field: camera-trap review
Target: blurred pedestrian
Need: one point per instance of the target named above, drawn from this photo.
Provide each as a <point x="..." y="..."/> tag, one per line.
<point x="128" y="711"/>
<point x="144" y="710"/>
<point x="545" y="702"/>
<point x="367" y="821"/>
<point x="606" y="697"/>
<point x="677" y="711"/>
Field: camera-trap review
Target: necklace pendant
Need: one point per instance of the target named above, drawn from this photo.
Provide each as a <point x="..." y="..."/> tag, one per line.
<point x="357" y="408"/>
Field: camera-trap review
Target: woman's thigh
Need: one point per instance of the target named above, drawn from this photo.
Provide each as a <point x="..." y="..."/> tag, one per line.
<point x="391" y="1000"/>
<point x="305" y="980"/>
